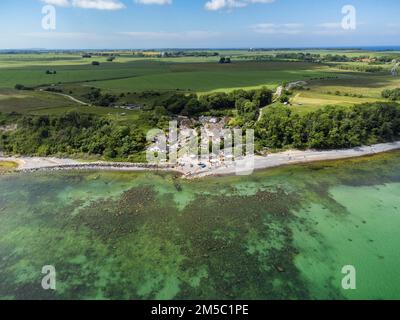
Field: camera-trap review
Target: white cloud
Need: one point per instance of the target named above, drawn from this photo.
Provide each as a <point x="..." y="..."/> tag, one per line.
<point x="214" y="5"/>
<point x="88" y="4"/>
<point x="98" y="4"/>
<point x="60" y="3"/>
<point x="271" y="28"/>
<point x="159" y="2"/>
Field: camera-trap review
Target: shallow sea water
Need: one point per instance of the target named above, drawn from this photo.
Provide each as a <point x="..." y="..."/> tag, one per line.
<point x="283" y="233"/>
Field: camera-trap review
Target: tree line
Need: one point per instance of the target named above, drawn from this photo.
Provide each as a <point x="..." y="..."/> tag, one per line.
<point x="246" y="102"/>
<point x="73" y="134"/>
<point x="331" y="127"/>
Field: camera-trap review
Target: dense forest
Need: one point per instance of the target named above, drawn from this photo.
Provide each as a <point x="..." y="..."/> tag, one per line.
<point x="76" y="134"/>
<point x="329" y="127"/>
<point x="73" y="134"/>
<point x="81" y="134"/>
<point x="174" y="103"/>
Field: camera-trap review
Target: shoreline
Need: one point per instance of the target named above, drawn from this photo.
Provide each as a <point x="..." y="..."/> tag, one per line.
<point x="37" y="164"/>
<point x="294" y="157"/>
<point x="291" y="157"/>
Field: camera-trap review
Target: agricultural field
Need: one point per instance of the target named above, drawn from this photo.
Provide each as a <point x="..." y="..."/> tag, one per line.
<point x="205" y="77"/>
<point x="131" y="74"/>
<point x="343" y="92"/>
<point x="154" y="74"/>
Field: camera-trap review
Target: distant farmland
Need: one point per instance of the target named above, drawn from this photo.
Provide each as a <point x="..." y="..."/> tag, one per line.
<point x="128" y="76"/>
<point x="143" y="74"/>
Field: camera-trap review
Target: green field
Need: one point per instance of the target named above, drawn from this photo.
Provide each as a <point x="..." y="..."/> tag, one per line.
<point x="360" y="88"/>
<point x="213" y="77"/>
<point x="155" y="75"/>
<point x="44" y="103"/>
<point x="31" y="101"/>
<point x="131" y="75"/>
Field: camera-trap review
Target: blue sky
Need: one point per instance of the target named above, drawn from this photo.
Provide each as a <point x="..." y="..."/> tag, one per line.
<point x="197" y="23"/>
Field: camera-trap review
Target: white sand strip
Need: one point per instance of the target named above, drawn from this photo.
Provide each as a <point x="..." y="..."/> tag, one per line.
<point x="29" y="164"/>
<point x="297" y="157"/>
<point x="26" y="164"/>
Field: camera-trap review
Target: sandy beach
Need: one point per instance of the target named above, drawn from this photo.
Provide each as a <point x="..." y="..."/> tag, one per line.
<point x="298" y="157"/>
<point x="32" y="164"/>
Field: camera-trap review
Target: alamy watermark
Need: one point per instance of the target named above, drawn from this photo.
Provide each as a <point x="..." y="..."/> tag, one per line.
<point x="349" y="21"/>
<point x="49" y="19"/>
<point x="49" y="280"/>
<point x="349" y="280"/>
<point x="201" y="149"/>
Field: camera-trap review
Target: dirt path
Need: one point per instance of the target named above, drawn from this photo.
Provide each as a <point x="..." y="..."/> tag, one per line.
<point x="66" y="96"/>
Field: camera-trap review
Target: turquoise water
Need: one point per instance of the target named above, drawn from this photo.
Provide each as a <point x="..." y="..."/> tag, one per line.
<point x="279" y="234"/>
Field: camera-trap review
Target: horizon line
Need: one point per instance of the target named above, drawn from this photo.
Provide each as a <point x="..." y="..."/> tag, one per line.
<point x="359" y="47"/>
